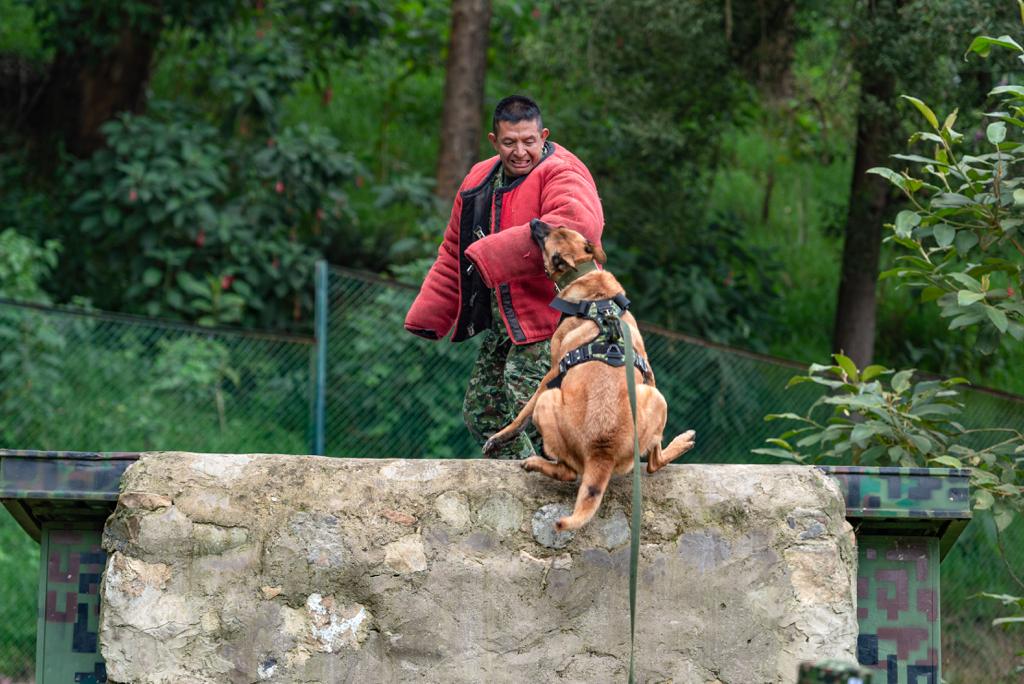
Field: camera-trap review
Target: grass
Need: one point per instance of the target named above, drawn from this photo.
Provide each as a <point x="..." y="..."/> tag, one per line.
<point x="798" y="212"/>
<point x="19" y="576"/>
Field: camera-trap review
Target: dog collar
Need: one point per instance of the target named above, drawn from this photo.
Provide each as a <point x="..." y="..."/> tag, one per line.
<point x="582" y="269"/>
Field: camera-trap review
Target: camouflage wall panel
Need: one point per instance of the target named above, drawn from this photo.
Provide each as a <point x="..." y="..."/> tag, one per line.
<point x="69" y="608"/>
<point x="898" y="609"/>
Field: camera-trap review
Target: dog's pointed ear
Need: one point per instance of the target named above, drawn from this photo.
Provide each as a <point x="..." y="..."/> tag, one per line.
<point x="569" y="261"/>
<point x="591" y="248"/>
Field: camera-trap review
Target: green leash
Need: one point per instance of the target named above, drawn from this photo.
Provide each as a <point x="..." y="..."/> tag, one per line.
<point x="634" y="545"/>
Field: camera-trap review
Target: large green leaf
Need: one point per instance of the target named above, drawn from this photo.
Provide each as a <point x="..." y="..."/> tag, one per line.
<point x="965" y="241"/>
<point x="983" y="499"/>
<point x="997" y="317"/>
<point x="983" y="45"/>
<point x="873" y="371"/>
<point x="996" y="132"/>
<point x="972" y="284"/>
<point x="901" y="381"/>
<point x="944" y="234"/>
<point x="906" y="221"/>
<point x="966" y="297"/>
<point x="846" y="363"/>
<point x="1015" y="90"/>
<point x="890" y="175"/>
<point x="929" y="115"/>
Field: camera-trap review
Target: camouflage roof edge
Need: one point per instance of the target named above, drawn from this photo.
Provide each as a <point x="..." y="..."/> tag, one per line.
<point x="37" y="486"/>
<point x="76" y="455"/>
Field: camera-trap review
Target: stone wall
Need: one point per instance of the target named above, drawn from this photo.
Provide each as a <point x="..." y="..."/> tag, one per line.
<point x="248" y="568"/>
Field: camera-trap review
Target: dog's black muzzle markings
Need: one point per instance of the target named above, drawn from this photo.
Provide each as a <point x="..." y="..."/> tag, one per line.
<point x="608" y="346"/>
<point x="539" y="232"/>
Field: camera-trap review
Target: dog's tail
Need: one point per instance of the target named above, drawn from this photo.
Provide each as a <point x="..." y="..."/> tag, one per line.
<point x="596" y="475"/>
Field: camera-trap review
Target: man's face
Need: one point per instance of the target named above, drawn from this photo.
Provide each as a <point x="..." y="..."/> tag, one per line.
<point x="519" y="145"/>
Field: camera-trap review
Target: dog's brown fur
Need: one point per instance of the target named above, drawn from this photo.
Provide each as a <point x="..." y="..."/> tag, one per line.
<point x="586" y="424"/>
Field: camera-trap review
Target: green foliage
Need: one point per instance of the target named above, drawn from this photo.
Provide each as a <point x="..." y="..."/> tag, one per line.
<point x="148" y="387"/>
<point x="211" y="232"/>
<point x="18" y="32"/>
<point x="721" y="291"/>
<point x="384" y="391"/>
<point x="1016" y="603"/>
<point x="19" y="577"/>
<point x="905" y="424"/>
<point x="25" y="265"/>
<point x="30" y="352"/>
<point x="963" y="232"/>
<point x="65" y="24"/>
<point x="645" y="114"/>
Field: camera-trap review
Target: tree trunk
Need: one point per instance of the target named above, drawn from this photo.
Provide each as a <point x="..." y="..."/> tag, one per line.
<point x="763" y="41"/>
<point x="854" y="331"/>
<point x="461" y="122"/>
<point x="84" y="90"/>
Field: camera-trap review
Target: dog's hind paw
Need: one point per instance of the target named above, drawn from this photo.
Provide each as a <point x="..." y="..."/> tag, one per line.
<point x="492" y="446"/>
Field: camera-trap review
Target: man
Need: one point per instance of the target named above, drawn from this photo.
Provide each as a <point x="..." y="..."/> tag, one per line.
<point x="489" y="275"/>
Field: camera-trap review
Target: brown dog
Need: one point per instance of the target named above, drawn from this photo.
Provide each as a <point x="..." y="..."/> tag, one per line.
<point x="586" y="422"/>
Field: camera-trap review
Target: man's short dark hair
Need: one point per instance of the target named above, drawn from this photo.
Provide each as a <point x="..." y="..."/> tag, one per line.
<point x="516" y="108"/>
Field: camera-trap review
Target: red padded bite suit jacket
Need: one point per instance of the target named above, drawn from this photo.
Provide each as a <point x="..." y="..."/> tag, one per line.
<point x="487" y="246"/>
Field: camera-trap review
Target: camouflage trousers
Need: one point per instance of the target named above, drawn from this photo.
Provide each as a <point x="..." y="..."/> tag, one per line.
<point x="504" y="378"/>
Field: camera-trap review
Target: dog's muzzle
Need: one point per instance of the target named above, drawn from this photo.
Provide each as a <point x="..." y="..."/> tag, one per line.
<point x="539" y="232"/>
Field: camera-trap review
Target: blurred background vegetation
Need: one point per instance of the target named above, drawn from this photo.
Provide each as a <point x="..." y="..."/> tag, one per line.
<point x="191" y="160"/>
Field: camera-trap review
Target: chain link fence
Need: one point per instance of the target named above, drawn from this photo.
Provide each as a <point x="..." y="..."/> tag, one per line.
<point x="90" y="381"/>
<point x="79" y="380"/>
<point x="391" y="394"/>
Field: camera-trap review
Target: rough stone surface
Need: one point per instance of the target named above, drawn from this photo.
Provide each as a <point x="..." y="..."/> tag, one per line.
<point x="263" y="568"/>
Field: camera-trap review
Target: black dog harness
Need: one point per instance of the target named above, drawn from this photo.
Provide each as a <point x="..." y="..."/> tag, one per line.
<point x="608" y="346"/>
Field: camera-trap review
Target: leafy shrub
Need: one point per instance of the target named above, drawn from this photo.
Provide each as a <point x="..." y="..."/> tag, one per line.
<point x="905" y="424"/>
<point x="209" y="232"/>
<point x="30" y="352"/>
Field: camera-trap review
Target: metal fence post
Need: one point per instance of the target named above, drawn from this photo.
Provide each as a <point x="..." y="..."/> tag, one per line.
<point x="320" y="323"/>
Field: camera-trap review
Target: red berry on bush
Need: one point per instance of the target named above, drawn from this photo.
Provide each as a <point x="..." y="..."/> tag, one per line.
<point x="201" y="238"/>
<point x="279" y="187"/>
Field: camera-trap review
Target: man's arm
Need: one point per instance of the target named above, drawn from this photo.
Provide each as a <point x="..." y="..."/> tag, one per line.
<point x="436" y="307"/>
<point x="568" y="198"/>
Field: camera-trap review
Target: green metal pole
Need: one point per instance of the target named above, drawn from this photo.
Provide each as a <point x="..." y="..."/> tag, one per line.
<point x="320" y="324"/>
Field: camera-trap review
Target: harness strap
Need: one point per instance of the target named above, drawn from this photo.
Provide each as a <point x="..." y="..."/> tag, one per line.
<point x="612" y="354"/>
<point x="581" y="309"/>
<point x="634" y="542"/>
<point x="608" y="345"/>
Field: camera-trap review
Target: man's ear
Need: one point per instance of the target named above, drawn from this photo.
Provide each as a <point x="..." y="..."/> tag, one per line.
<point x="494" y="140"/>
<point x="591" y="248"/>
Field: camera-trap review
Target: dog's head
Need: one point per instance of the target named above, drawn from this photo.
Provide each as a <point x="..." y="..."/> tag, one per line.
<point x="563" y="248"/>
